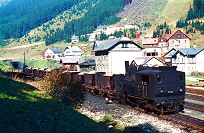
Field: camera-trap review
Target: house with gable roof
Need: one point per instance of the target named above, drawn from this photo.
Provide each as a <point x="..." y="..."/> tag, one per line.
<point x="53" y="53"/>
<point x="147" y="61"/>
<point x="155" y="46"/>
<point x="72" y="51"/>
<point x="110" y="56"/>
<point x="179" y="40"/>
<point x="187" y="60"/>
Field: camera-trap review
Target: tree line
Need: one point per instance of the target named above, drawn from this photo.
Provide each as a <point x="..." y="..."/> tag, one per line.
<point x="161" y="29"/>
<point x="197" y="10"/>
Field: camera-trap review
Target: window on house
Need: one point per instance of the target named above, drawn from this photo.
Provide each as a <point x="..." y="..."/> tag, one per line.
<point x="124" y="45"/>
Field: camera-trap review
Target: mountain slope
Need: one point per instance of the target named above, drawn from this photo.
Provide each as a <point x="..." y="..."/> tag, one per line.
<point x="155" y="11"/>
<point x="19" y="16"/>
<point x="143" y="10"/>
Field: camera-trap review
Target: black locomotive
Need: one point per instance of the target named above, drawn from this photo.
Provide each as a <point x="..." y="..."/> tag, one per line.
<point x="156" y="88"/>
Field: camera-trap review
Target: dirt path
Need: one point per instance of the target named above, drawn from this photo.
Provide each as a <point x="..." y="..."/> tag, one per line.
<point x="27" y="45"/>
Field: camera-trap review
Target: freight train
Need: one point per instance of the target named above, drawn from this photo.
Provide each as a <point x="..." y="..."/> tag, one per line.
<point x="159" y="89"/>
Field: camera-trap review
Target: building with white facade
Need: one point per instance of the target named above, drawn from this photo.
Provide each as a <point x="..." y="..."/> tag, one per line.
<point x="147" y="61"/>
<point x="53" y="53"/>
<point x="179" y="40"/>
<point x="110" y="56"/>
<point x="72" y="51"/>
<point x="75" y="38"/>
<point x="187" y="60"/>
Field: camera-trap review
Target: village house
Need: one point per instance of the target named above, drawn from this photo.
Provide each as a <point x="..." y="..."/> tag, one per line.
<point x="53" y="54"/>
<point x="179" y="40"/>
<point x="71" y="63"/>
<point x="75" y="38"/>
<point x="160" y="46"/>
<point x="72" y="51"/>
<point x="187" y="60"/>
<point x="92" y="37"/>
<point x="151" y="47"/>
<point x="102" y="28"/>
<point x="131" y="26"/>
<point x="147" y="61"/>
<point x="110" y="56"/>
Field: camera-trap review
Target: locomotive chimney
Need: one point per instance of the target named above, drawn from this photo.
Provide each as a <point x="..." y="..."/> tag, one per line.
<point x="126" y="67"/>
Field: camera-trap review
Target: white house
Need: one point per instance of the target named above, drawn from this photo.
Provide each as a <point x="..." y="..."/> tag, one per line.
<point x="75" y="38"/>
<point x="179" y="40"/>
<point x="92" y="37"/>
<point x="187" y="59"/>
<point x="129" y="26"/>
<point x="147" y="61"/>
<point x="102" y="28"/>
<point x="151" y="47"/>
<point x="53" y="53"/>
<point x="73" y="51"/>
<point x="111" y="55"/>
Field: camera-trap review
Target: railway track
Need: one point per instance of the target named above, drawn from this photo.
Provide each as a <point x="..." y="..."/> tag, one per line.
<point x="190" y="121"/>
<point x="194" y="97"/>
<point x="193" y="106"/>
<point x="187" y="121"/>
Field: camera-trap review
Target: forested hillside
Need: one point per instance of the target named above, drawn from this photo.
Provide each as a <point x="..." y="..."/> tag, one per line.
<point x="197" y="10"/>
<point x="103" y="13"/>
<point x="18" y="17"/>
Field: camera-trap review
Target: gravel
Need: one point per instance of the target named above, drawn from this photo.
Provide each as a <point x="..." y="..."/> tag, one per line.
<point x="95" y="108"/>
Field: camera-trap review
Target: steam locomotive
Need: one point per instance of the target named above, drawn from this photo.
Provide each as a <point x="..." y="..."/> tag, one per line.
<point x="159" y="89"/>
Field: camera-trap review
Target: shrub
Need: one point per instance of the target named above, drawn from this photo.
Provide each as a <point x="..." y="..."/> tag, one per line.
<point x="60" y="86"/>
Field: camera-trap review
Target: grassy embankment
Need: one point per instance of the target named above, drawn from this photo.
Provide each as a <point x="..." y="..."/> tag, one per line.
<point x="26" y="109"/>
<point x="195" y="83"/>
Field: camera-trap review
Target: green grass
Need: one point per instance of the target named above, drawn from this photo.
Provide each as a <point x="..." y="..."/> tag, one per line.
<point x="25" y="109"/>
<point x="41" y="63"/>
<point x="202" y="77"/>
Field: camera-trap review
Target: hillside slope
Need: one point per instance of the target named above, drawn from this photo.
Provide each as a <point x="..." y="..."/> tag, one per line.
<point x="143" y="10"/>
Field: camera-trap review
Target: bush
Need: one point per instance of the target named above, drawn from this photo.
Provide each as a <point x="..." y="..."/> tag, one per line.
<point x="6" y="66"/>
<point x="60" y="87"/>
